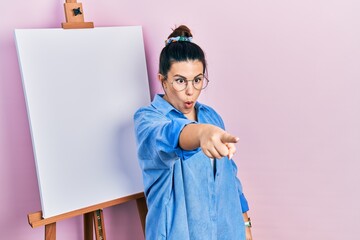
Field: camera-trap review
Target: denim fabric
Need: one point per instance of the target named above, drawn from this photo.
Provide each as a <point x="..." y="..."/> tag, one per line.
<point x="186" y="199"/>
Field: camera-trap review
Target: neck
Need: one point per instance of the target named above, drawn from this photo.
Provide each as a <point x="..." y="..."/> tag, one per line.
<point x="191" y="115"/>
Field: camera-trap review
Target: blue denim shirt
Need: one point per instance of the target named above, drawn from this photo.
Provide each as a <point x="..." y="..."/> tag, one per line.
<point x="187" y="199"/>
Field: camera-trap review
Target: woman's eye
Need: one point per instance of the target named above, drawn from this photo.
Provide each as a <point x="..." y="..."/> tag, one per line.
<point x="180" y="81"/>
<point x="198" y="80"/>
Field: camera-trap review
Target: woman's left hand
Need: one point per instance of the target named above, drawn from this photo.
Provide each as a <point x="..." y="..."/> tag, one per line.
<point x="248" y="233"/>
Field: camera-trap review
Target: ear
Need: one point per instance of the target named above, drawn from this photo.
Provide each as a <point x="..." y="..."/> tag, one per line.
<point x="161" y="78"/>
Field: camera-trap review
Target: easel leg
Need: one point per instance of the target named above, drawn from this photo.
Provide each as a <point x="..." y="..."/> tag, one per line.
<point x="142" y="209"/>
<point x="98" y="217"/>
<point x="88" y="226"/>
<point x="50" y="231"/>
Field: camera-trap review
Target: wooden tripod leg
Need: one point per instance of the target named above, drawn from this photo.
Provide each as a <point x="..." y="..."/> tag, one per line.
<point x="88" y="226"/>
<point x="99" y="225"/>
<point x="50" y="231"/>
<point x="142" y="209"/>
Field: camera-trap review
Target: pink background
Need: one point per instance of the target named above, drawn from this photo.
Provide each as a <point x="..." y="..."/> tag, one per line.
<point x="284" y="76"/>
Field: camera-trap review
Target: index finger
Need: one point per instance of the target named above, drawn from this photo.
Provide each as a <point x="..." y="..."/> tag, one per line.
<point x="228" y="138"/>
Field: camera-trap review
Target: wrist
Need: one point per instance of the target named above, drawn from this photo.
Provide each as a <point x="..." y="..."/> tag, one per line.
<point x="248" y="223"/>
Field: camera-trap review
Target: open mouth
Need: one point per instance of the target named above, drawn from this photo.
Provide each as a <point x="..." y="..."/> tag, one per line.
<point x="189" y="104"/>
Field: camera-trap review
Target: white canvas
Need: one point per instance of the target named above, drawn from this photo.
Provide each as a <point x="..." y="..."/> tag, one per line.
<point x="82" y="88"/>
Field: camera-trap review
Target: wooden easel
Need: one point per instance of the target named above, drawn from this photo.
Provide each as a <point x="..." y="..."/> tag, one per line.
<point x="75" y="16"/>
<point x="93" y="218"/>
<point x="93" y="215"/>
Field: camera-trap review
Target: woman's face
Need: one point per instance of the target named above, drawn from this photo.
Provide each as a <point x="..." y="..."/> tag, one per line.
<point x="183" y="100"/>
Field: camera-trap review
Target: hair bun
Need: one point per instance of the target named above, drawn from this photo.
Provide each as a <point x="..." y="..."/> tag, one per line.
<point x="181" y="31"/>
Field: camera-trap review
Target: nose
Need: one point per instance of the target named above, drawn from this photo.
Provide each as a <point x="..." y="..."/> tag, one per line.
<point x="189" y="89"/>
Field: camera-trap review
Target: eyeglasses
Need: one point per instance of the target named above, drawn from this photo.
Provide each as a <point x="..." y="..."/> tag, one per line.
<point x="180" y="84"/>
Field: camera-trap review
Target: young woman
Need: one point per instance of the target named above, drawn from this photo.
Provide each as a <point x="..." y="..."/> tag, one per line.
<point x="185" y="154"/>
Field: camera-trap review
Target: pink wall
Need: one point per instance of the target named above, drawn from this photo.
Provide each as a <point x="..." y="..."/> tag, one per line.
<point x="285" y="77"/>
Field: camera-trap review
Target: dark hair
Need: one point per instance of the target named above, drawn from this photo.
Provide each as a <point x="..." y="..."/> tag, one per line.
<point x="180" y="51"/>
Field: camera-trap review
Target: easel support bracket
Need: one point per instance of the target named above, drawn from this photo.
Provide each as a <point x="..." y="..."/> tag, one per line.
<point x="74" y="16"/>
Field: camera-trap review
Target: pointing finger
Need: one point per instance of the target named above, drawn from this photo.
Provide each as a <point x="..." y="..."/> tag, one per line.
<point x="228" y="138"/>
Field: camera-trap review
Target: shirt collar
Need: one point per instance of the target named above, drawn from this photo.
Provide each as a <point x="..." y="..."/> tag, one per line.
<point x="162" y="105"/>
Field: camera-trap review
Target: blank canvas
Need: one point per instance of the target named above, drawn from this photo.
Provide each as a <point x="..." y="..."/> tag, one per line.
<point x="82" y="88"/>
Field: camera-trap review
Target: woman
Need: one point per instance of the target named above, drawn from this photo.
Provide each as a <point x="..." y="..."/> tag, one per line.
<point x="190" y="181"/>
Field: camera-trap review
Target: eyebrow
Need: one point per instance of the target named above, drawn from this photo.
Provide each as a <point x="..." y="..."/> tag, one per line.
<point x="178" y="75"/>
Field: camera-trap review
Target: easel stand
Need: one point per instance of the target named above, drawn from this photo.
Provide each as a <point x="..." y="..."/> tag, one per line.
<point x="93" y="218"/>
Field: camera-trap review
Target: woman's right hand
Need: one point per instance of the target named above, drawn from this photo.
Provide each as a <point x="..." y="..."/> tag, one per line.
<point x="214" y="141"/>
<point x="217" y="143"/>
